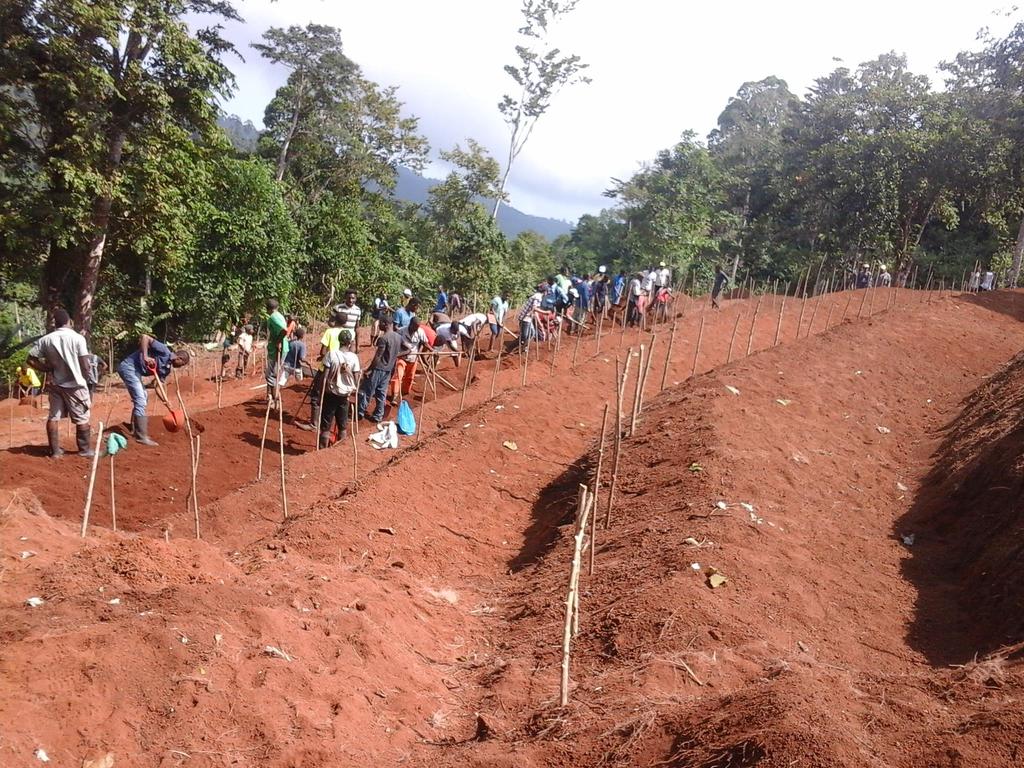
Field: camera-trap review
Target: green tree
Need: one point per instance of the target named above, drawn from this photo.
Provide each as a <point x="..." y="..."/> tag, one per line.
<point x="541" y="72"/>
<point x="88" y="84"/>
<point x="243" y="250"/>
<point x="328" y="127"/>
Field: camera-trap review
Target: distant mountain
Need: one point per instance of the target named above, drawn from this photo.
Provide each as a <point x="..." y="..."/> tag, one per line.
<point x="242" y="135"/>
<point x="411" y="187"/>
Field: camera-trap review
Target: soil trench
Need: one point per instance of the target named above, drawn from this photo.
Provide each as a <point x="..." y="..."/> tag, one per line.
<point x="427" y="593"/>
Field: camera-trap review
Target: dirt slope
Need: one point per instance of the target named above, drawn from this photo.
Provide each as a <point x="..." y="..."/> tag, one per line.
<point x="429" y="592"/>
<point x="809" y="655"/>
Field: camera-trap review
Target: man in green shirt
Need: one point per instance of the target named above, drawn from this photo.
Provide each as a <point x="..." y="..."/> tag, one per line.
<point x="277" y="350"/>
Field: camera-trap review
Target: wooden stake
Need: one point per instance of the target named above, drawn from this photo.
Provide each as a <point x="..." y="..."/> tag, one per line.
<point x="571" y="601"/>
<point x="193" y="457"/>
<point x="113" y="500"/>
<point x="849" y="300"/>
<point x="753" y="325"/>
<point x="469" y="375"/>
<point x="597" y="487"/>
<point x="600" y="326"/>
<point x="92" y="480"/>
<point x="814" y="314"/>
<point x="576" y="349"/>
<point x="803" y="306"/>
<point x="263" y="439"/>
<point x="828" y="320"/>
<point x="319" y="413"/>
<point x="668" y="354"/>
<point x="619" y="397"/>
<point x="732" y="340"/>
<point x="280" y="444"/>
<point x="195" y="482"/>
<point x="497" y="364"/>
<point x="643" y="380"/>
<point x="355" y="450"/>
<point x="636" y="392"/>
<point x="778" y="327"/>
<point x="696" y="349"/>
<point x="524" y="361"/>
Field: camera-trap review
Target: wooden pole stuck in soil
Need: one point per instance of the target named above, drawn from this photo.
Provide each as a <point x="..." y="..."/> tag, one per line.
<point x="497" y="363"/>
<point x="263" y="439"/>
<point x="469" y="375"/>
<point x="113" y="498"/>
<point x="597" y="487"/>
<point x="620" y="386"/>
<point x="319" y="415"/>
<point x="753" y="325"/>
<point x="668" y="354"/>
<point x="92" y="480"/>
<point x="696" y="349"/>
<point x="576" y="348"/>
<point x="193" y="441"/>
<point x="636" y="391"/>
<point x="849" y="300"/>
<point x="572" y="599"/>
<point x="778" y="327"/>
<point x="647" y="370"/>
<point x="828" y="320"/>
<point x="732" y="340"/>
<point x="597" y="338"/>
<point x="814" y="314"/>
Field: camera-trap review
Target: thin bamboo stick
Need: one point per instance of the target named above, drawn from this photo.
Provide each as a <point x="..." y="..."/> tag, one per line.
<point x="619" y="397"/>
<point x="668" y="354"/>
<point x="696" y="349"/>
<point x="113" y="498"/>
<point x="597" y="487"/>
<point x="571" y="602"/>
<point x="732" y="340"/>
<point x="753" y="325"/>
<point x="92" y="481"/>
<point x="636" y="391"/>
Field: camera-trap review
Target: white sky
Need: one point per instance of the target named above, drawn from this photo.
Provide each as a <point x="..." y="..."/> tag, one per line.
<point x="659" y="67"/>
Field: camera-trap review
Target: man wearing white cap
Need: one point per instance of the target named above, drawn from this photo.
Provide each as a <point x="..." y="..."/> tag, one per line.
<point x="884" y="278"/>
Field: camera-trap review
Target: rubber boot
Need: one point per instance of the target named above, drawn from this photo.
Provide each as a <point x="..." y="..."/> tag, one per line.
<point x="325" y="439"/>
<point x="83" y="434"/>
<point x="140" y="425"/>
<point x="53" y="437"/>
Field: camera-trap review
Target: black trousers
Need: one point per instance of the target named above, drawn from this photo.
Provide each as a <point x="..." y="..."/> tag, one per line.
<point x="335" y="409"/>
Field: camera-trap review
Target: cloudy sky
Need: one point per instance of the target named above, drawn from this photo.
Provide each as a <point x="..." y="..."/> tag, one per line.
<point x="659" y="67"/>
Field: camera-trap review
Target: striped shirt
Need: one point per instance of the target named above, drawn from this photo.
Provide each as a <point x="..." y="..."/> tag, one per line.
<point x="349" y="315"/>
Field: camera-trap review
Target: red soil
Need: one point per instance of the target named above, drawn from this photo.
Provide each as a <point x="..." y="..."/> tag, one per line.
<point x="431" y="591"/>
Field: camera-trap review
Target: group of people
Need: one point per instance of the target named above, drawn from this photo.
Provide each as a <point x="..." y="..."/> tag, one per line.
<point x="402" y="339"/>
<point x="73" y="372"/>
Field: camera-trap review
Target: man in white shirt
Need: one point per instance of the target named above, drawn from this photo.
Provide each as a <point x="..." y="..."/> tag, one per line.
<point x="64" y="355"/>
<point x="636" y="292"/>
<point x="341" y="367"/>
<point x="664" y="278"/>
<point x="244" y="342"/>
<point x="350" y="313"/>
<point x="499" y="308"/>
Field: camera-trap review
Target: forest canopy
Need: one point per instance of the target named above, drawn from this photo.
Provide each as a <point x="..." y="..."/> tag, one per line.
<point x="123" y="199"/>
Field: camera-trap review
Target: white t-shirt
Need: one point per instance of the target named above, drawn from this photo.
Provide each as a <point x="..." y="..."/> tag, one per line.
<point x="61" y="349"/>
<point x="245" y="342"/>
<point x="475" y="321"/>
<point x="664" y="277"/>
<point x="648" y="281"/>
<point x="342" y="368"/>
<point x="634" y="286"/>
<point x="444" y="335"/>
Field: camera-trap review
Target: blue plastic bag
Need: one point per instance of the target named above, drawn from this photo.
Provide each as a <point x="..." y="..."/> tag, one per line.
<point x="405" y="422"/>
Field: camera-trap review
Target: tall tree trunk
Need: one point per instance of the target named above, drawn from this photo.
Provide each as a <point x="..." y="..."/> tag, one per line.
<point x="282" y="156"/>
<point x="1018" y="254"/>
<point x="99" y="224"/>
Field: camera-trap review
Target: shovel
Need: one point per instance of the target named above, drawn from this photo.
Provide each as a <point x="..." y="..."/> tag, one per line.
<point x="174" y="420"/>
